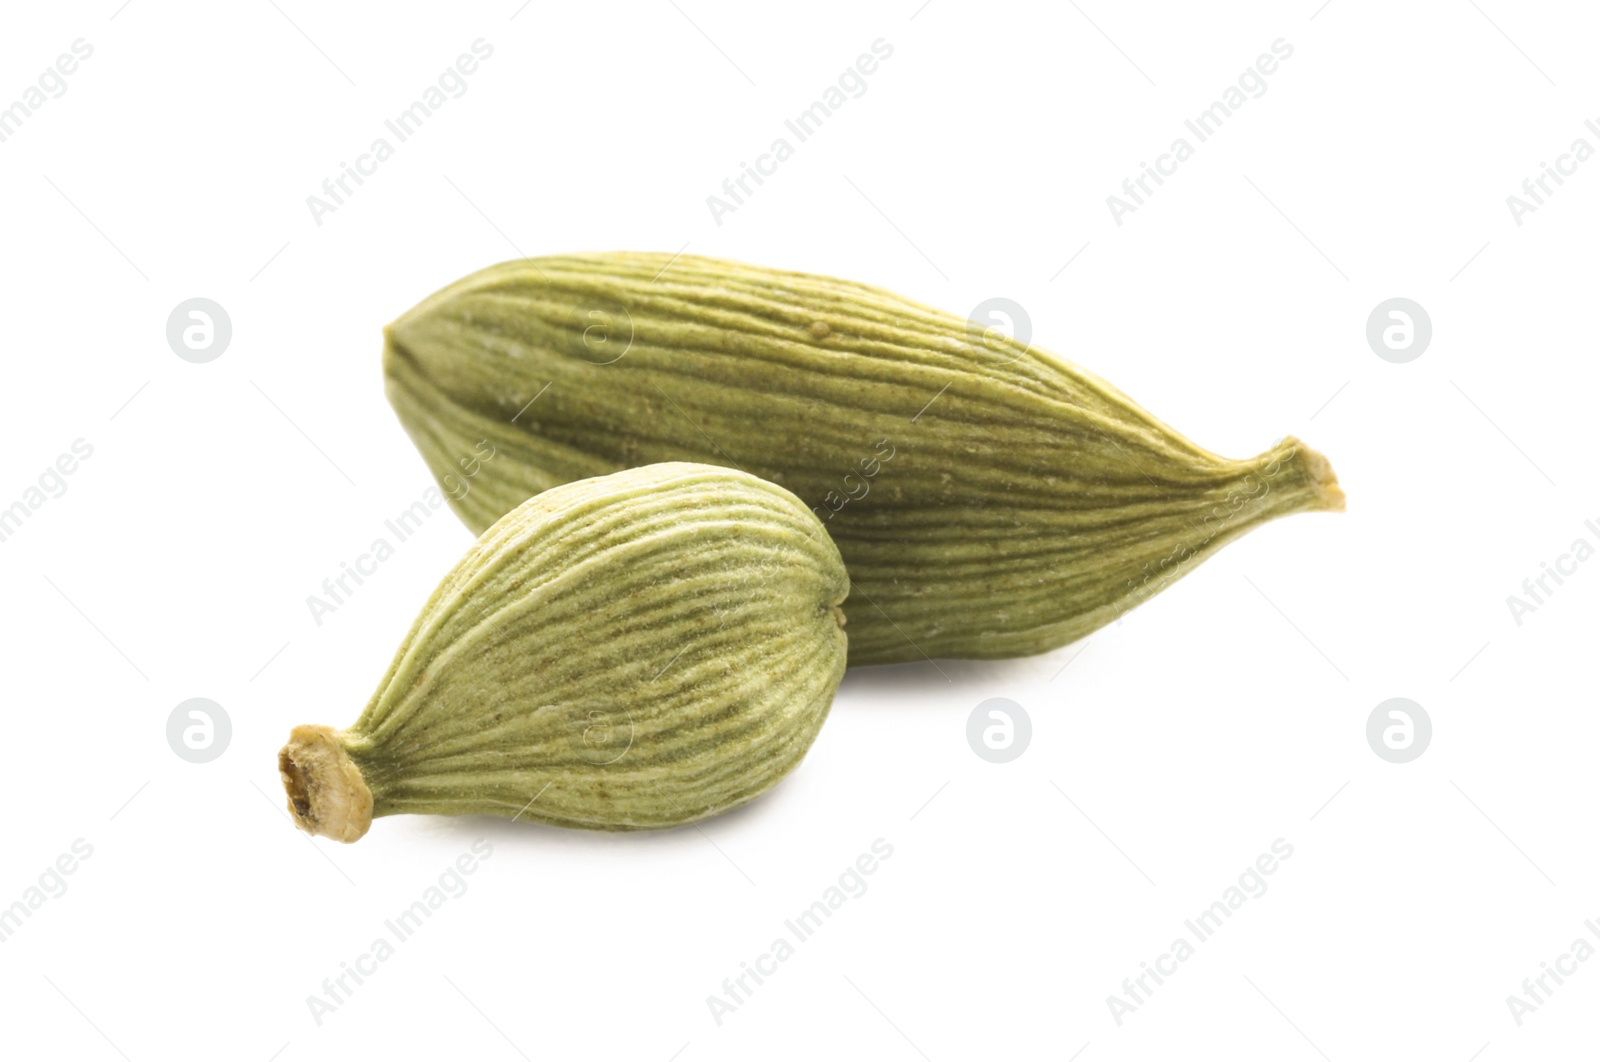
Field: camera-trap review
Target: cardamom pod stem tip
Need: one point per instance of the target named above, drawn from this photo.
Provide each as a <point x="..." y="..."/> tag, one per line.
<point x="327" y="795"/>
<point x="1319" y="470"/>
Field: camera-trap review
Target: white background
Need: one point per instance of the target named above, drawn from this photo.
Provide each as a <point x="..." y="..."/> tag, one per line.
<point x="1168" y="752"/>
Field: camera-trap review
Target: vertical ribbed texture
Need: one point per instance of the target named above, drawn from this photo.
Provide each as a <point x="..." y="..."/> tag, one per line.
<point x="1028" y="504"/>
<point x="656" y="646"/>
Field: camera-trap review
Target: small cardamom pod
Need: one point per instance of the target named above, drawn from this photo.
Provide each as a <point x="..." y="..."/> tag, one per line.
<point x="634" y="651"/>
<point x="989" y="499"/>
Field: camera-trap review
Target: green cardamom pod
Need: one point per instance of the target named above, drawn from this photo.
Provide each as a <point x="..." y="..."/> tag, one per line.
<point x="989" y="499"/>
<point x="635" y="651"/>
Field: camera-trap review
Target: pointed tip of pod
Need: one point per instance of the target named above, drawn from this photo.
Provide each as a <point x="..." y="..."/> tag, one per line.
<point x="1326" y="492"/>
<point x="327" y="795"/>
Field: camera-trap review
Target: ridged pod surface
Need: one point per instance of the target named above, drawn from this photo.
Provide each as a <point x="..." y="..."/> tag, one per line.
<point x="634" y="651"/>
<point x="989" y="499"/>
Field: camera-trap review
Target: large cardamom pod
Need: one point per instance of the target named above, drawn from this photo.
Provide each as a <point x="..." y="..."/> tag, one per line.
<point x="989" y="499"/>
<point x="634" y="651"/>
